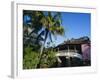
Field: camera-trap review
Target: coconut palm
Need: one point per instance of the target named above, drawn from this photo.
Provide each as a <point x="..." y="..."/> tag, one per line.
<point x="51" y="23"/>
<point x="47" y="23"/>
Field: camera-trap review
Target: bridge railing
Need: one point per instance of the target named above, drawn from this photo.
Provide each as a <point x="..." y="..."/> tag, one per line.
<point x="63" y="51"/>
<point x="69" y="53"/>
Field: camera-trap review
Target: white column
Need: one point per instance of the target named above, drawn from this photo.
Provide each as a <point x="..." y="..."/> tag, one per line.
<point x="59" y="60"/>
<point x="75" y="48"/>
<point x="68" y="57"/>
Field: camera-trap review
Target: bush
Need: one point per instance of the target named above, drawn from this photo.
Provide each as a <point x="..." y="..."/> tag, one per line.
<point x="48" y="59"/>
<point x="30" y="58"/>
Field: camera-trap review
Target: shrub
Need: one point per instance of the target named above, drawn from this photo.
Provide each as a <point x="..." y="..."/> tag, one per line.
<point x="48" y="59"/>
<point x="30" y="59"/>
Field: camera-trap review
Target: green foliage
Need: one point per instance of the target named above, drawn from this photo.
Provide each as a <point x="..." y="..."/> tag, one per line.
<point x="51" y="22"/>
<point x="48" y="59"/>
<point x="43" y="25"/>
<point x="30" y="59"/>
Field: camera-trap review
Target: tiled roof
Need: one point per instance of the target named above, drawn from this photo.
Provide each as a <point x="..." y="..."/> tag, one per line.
<point x="81" y="40"/>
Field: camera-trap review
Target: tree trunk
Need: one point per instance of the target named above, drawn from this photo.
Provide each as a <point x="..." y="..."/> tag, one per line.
<point x="41" y="51"/>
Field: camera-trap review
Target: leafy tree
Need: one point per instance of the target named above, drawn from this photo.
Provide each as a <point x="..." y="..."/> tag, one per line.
<point x="52" y="26"/>
<point x="40" y="26"/>
<point x="31" y="27"/>
<point x="31" y="45"/>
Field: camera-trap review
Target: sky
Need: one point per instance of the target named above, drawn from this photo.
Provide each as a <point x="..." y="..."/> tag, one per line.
<point x="76" y="25"/>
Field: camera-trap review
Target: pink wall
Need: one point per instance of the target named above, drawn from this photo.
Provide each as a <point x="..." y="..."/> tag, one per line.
<point x="86" y="51"/>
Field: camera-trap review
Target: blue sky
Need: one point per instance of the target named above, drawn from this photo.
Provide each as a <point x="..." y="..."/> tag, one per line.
<point x="76" y="25"/>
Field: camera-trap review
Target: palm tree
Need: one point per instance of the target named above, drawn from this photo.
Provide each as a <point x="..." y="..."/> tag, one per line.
<point x="51" y="23"/>
<point x="31" y="27"/>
